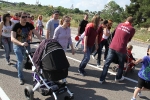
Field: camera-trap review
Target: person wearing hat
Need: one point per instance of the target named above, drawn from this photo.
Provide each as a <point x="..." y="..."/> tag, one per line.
<point x="52" y="24"/>
<point x="143" y="75"/>
<point x="123" y="34"/>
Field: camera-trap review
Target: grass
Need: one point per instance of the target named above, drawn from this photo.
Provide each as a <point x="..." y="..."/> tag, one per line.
<point x="142" y="35"/>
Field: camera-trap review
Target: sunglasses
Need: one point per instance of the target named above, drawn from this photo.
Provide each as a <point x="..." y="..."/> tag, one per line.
<point x="23" y="16"/>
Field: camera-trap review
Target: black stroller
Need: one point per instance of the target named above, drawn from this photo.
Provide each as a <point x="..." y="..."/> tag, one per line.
<point x="49" y="65"/>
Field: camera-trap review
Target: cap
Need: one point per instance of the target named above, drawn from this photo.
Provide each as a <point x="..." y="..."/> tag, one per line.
<point x="55" y="11"/>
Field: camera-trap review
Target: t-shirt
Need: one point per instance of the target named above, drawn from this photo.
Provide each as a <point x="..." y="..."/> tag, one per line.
<point x="22" y="32"/>
<point x="144" y="73"/>
<point x="100" y="33"/>
<point x="51" y="26"/>
<point x="91" y="33"/>
<point x="123" y="34"/>
<point x="82" y="25"/>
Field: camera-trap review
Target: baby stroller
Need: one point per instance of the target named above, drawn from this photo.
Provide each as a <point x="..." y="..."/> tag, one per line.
<point x="49" y="65"/>
<point x="128" y="66"/>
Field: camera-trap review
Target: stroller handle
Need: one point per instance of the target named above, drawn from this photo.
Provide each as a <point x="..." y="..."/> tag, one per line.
<point x="35" y="42"/>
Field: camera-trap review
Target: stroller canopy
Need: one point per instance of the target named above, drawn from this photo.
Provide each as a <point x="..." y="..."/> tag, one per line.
<point x="50" y="56"/>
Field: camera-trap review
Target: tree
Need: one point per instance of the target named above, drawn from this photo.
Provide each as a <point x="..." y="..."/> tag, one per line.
<point x="140" y="10"/>
<point x="76" y="10"/>
<point x="112" y="11"/>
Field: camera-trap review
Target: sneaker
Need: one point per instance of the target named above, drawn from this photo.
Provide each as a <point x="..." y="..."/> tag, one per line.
<point x="101" y="82"/>
<point x="21" y="82"/>
<point x="122" y="78"/>
<point x="64" y="80"/>
<point x="133" y="99"/>
<point x="81" y="73"/>
<point x="99" y="66"/>
<point x="93" y="57"/>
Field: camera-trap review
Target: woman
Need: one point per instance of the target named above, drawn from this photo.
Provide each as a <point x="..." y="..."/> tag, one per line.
<point x="39" y="25"/>
<point x="63" y="33"/>
<point x="5" y="33"/>
<point x="89" y="41"/>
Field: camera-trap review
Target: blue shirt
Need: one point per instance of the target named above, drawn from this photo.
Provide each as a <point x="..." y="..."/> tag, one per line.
<point x="144" y="73"/>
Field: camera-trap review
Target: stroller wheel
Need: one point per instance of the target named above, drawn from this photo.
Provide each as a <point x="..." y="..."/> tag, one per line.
<point x="68" y="98"/>
<point x="29" y="93"/>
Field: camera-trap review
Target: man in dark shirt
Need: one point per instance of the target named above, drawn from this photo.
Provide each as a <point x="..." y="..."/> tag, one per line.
<point x="81" y="27"/>
<point x="20" y="34"/>
<point x="123" y="34"/>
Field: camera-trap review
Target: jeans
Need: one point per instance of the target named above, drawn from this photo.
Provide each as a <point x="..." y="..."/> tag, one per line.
<point x="111" y="54"/>
<point x="20" y="54"/>
<point x="103" y="43"/>
<point x="85" y="59"/>
<point x="7" y="46"/>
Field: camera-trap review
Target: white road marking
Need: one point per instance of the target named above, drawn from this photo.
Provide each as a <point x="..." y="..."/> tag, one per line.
<point x="129" y="79"/>
<point x="3" y="96"/>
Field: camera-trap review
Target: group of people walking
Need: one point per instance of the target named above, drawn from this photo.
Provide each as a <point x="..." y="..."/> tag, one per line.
<point x="17" y="32"/>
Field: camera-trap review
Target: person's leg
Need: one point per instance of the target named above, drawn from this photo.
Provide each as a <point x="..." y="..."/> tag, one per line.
<point x="106" y="49"/>
<point x="110" y="56"/>
<point x="6" y="47"/>
<point x="85" y="60"/>
<point x="1" y="47"/>
<point x="121" y="58"/>
<point x="99" y="53"/>
<point x="19" y="52"/>
<point x="42" y="31"/>
<point x="136" y="91"/>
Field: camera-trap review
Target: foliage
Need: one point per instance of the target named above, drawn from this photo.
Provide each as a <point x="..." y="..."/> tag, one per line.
<point x="112" y="11"/>
<point x="140" y="10"/>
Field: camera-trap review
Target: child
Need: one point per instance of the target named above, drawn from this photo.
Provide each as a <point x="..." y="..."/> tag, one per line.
<point x="144" y="75"/>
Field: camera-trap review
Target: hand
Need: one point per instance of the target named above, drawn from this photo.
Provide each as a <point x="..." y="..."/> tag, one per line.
<point x="24" y="44"/>
<point x="84" y="50"/>
<point x="73" y="52"/>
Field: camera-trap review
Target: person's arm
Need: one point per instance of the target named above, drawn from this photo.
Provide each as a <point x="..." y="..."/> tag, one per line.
<point x="1" y="26"/>
<point x="15" y="41"/>
<point x="96" y="42"/>
<point x="138" y="61"/>
<point x="37" y="34"/>
<point x="47" y="30"/>
<point x="56" y="33"/>
<point x="79" y="31"/>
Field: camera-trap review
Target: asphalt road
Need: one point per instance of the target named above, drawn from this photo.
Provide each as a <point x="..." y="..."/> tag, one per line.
<point x="84" y="88"/>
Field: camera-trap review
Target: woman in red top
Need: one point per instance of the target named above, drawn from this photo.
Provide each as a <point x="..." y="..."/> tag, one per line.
<point x="89" y="41"/>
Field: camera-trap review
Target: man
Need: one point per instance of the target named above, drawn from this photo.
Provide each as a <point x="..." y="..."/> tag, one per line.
<point x="52" y="24"/>
<point x="123" y="34"/>
<point x="81" y="27"/>
<point x="15" y="18"/>
<point x="19" y="37"/>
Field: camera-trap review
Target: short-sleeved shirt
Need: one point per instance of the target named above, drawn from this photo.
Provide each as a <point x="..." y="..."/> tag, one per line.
<point x="51" y="25"/>
<point x="123" y="35"/>
<point x="144" y="73"/>
<point x="91" y="32"/>
<point x="82" y="25"/>
<point x="22" y="32"/>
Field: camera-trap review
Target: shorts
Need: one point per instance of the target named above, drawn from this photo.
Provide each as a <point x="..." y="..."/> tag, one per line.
<point x="143" y="83"/>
